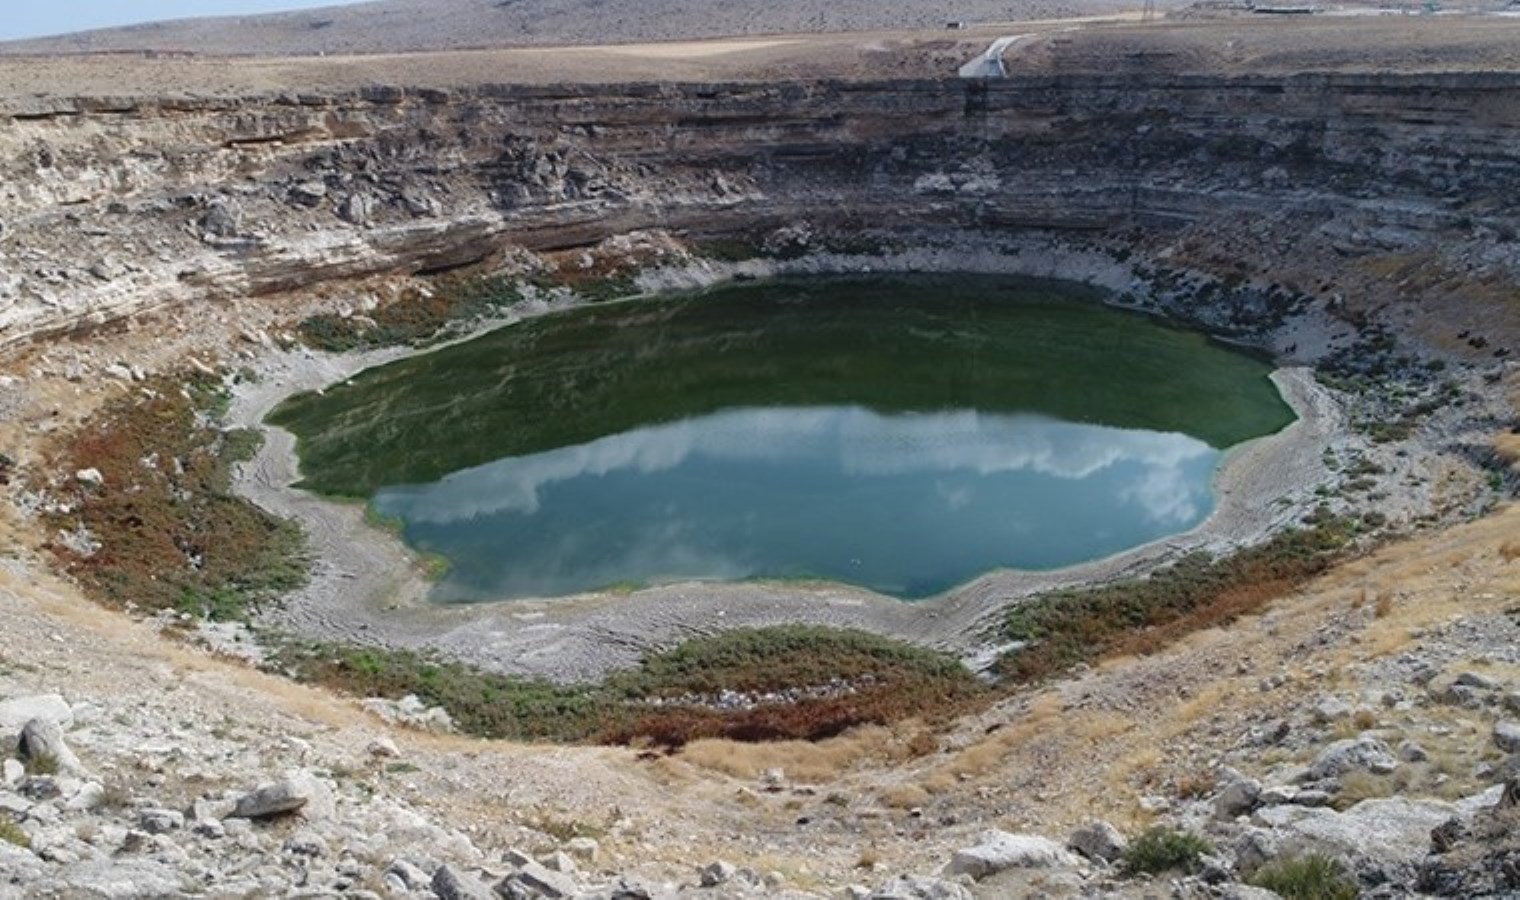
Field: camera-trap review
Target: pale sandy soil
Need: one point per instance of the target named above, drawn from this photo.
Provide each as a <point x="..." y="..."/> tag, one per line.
<point x="1097" y="45"/>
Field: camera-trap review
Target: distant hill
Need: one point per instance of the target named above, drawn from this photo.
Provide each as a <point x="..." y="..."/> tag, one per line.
<point x="400" y="25"/>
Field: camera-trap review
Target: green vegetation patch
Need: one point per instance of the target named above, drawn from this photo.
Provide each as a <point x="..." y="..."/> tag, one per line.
<point x="1311" y="877"/>
<point x="416" y="318"/>
<point x="891" y="344"/>
<point x="827" y="681"/>
<point x="11" y="833"/>
<point x="1063" y="628"/>
<point x="168" y="530"/>
<point x="1165" y="850"/>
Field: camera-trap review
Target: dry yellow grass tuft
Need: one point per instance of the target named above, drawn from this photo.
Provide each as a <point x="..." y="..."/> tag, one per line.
<point x="810" y="763"/>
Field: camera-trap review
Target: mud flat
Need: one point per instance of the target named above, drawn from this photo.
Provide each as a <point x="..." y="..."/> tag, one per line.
<point x="368" y="587"/>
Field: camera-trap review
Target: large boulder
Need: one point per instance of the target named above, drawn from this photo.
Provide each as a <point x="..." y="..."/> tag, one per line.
<point x="1098" y="841"/>
<point x="1238" y="797"/>
<point x="1382" y="840"/>
<point x="996" y="851"/>
<point x="42" y="739"/>
<point x="1363" y="754"/>
<point x="296" y="792"/>
<point x="15" y="713"/>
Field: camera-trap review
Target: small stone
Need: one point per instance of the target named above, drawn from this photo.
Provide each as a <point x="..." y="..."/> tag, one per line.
<point x="1477" y="680"/>
<point x="560" y="862"/>
<point x="1331" y="709"/>
<point x="11" y="772"/>
<point x="308" y="193"/>
<point x="714" y="874"/>
<point x="384" y="748"/>
<point x="1237" y="798"/>
<point x="89" y="477"/>
<point x="585" y="849"/>
<point x="544" y="882"/>
<point x="1277" y="795"/>
<point x="449" y="884"/>
<point x="277" y="799"/>
<point x="306" y="842"/>
<point x="1507" y="736"/>
<point x="410" y="876"/>
<point x="160" y="821"/>
<point x="1098" y="840"/>
<point x="1409" y="751"/>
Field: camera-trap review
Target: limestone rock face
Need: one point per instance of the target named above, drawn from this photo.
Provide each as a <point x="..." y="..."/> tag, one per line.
<point x="449" y="177"/>
<point x="1384" y="838"/>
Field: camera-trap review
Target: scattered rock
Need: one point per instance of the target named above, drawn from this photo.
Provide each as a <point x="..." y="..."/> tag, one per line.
<point x="716" y="873"/>
<point x="996" y="851"/>
<point x="160" y="821"/>
<point x="908" y="887"/>
<point x="42" y="739"/>
<point x="1331" y="709"/>
<point x="1238" y="798"/>
<point x="222" y="219"/>
<point x="1476" y="680"/>
<point x="308" y="193"/>
<point x="534" y="880"/>
<point x="1507" y="736"/>
<point x="1410" y="751"/>
<point x="90" y="478"/>
<point x="449" y="884"/>
<point x="1098" y="840"/>
<point x="1354" y="754"/>
<point x="585" y="849"/>
<point x="291" y="794"/>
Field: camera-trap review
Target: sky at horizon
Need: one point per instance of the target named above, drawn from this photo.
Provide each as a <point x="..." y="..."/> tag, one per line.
<point x="32" y="19"/>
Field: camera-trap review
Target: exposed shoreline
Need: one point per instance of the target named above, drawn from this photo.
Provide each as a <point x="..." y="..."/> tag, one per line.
<point x="367" y="587"/>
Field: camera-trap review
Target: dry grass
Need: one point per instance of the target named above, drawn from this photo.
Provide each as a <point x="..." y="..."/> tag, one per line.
<point x="810" y="763"/>
<point x="1195" y="785"/>
<point x="1383" y="605"/>
<point x="905" y="796"/>
<point x="1509" y="551"/>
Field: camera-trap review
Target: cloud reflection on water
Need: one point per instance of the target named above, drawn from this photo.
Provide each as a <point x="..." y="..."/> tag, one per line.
<point x="862" y="442"/>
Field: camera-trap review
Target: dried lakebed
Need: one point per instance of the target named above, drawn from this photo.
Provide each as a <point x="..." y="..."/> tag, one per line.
<point x="926" y="388"/>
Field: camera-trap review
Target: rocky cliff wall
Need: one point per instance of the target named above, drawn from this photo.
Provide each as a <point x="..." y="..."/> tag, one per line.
<point x="111" y="206"/>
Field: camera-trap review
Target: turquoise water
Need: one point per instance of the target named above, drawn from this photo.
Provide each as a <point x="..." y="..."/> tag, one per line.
<point x="908" y="505"/>
<point x="905" y="434"/>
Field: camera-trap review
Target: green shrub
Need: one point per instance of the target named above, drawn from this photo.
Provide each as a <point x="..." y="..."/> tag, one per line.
<point x="1311" y="877"/>
<point x="42" y="764"/>
<point x="1165" y="850"/>
<point x="11" y="833"/>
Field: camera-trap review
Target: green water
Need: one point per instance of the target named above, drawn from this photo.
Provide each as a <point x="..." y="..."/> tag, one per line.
<point x="902" y="433"/>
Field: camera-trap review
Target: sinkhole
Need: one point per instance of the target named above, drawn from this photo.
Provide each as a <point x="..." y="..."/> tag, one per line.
<point x="901" y="433"/>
